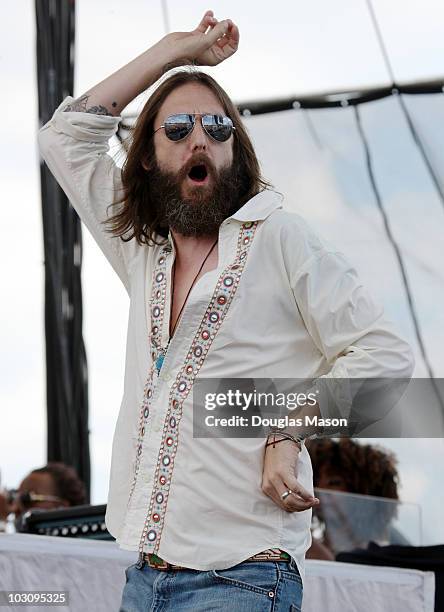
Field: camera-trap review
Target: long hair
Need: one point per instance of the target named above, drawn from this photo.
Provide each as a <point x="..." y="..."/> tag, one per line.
<point x="366" y="469"/>
<point x="67" y="483"/>
<point x="134" y="214"/>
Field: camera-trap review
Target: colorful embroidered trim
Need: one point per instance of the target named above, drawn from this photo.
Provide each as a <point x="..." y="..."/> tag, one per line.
<point x="155" y="316"/>
<point x="214" y="315"/>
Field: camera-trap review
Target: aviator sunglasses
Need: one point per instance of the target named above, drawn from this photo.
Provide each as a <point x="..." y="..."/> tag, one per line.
<point x="177" y="127"/>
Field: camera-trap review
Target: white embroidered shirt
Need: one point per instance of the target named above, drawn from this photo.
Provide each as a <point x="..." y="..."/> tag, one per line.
<point x="281" y="304"/>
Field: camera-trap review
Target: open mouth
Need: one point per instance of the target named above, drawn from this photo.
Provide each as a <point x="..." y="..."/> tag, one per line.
<point x="198" y="173"/>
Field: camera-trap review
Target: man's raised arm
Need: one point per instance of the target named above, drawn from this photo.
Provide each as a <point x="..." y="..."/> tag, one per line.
<point x="209" y="44"/>
<point x="74" y="143"/>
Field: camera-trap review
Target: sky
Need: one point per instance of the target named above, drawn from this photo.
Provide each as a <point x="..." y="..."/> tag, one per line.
<point x="293" y="49"/>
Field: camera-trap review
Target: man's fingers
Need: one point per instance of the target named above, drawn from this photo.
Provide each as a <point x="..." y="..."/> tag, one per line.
<point x="297" y="505"/>
<point x="222" y="42"/>
<point x="233" y="33"/>
<point x="231" y="38"/>
<point x="217" y="32"/>
<point x="298" y="490"/>
<point x="293" y="501"/>
<point x="296" y="497"/>
<point x="273" y="492"/>
<point x="206" y="21"/>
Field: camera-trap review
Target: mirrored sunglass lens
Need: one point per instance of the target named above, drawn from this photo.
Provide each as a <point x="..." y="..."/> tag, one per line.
<point x="218" y="127"/>
<point x="178" y="126"/>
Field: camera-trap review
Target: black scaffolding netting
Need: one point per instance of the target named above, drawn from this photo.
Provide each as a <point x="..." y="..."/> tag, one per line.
<point x="66" y="368"/>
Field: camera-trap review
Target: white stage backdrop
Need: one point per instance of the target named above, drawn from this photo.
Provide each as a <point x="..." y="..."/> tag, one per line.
<point x="94" y="575"/>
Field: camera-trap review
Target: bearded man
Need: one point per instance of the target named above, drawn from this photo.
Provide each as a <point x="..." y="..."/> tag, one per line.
<point x="224" y="283"/>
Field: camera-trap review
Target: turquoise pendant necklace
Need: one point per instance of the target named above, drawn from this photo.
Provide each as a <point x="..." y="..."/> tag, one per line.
<point x="163" y="350"/>
<point x="160" y="358"/>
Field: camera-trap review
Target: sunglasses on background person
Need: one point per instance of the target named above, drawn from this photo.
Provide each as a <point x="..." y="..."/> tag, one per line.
<point x="177" y="127"/>
<point x="27" y="498"/>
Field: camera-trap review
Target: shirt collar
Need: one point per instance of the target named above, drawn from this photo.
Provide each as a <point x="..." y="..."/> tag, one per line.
<point x="259" y="207"/>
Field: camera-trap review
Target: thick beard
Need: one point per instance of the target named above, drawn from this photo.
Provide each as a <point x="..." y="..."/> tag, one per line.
<point x="204" y="209"/>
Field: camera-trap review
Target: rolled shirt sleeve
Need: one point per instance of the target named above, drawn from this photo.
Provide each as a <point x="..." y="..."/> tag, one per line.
<point x="75" y="147"/>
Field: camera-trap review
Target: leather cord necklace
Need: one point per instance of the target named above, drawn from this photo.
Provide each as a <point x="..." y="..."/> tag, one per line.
<point x="161" y="356"/>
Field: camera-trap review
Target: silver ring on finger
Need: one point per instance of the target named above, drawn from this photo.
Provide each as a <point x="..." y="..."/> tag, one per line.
<point x="286" y="494"/>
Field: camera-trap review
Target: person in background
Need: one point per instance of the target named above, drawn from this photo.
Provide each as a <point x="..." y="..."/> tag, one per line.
<point x="52" y="486"/>
<point x="348" y="466"/>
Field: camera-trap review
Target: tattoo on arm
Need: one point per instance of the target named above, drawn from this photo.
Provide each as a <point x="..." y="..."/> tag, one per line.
<point x="80" y="105"/>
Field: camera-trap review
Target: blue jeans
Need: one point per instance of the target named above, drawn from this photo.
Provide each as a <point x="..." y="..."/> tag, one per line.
<point x="251" y="586"/>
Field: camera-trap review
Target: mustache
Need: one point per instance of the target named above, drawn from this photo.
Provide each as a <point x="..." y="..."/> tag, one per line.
<point x="197" y="160"/>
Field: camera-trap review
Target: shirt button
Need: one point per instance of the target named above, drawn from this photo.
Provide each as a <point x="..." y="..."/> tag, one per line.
<point x="167" y="376"/>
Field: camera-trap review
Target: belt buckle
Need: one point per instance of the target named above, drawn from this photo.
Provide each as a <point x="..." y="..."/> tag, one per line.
<point x="156" y="562"/>
<point x="271" y="555"/>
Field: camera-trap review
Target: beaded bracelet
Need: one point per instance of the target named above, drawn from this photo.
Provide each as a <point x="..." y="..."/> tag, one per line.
<point x="280" y="432"/>
<point x="274" y="442"/>
<point x="285" y="436"/>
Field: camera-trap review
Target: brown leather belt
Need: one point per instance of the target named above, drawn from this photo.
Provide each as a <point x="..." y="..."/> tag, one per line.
<point x="271" y="554"/>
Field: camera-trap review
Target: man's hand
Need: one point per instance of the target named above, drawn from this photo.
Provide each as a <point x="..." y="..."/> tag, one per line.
<point x="280" y="475"/>
<point x="209" y="44"/>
